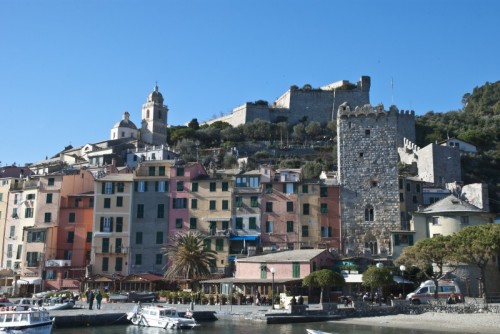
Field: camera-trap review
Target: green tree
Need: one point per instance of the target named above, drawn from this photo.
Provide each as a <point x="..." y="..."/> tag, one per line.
<point x="375" y="278"/>
<point x="312" y="170"/>
<point x="187" y="257"/>
<point x="477" y="245"/>
<point x="431" y="256"/>
<point x="194" y="124"/>
<point x="313" y="129"/>
<point x="324" y="279"/>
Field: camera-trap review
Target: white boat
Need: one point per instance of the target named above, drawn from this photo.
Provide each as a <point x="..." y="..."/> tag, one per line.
<point x="15" y="320"/>
<point x="156" y="315"/>
<point x="314" y="331"/>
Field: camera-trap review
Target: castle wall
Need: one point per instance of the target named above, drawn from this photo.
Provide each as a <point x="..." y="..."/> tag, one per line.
<point x="368" y="174"/>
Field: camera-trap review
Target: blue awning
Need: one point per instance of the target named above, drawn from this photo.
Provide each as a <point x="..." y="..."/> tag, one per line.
<point x="244" y="237"/>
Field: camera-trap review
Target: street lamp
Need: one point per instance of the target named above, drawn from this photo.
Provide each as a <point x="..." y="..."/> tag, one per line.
<point x="403" y="268"/>
<point x="272" y="288"/>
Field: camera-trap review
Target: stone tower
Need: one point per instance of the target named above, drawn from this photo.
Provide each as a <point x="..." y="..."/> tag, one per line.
<point x="154" y="119"/>
<point x="368" y="176"/>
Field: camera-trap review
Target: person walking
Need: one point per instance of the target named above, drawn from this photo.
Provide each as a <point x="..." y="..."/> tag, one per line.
<point x="98" y="298"/>
<point x="90" y="298"/>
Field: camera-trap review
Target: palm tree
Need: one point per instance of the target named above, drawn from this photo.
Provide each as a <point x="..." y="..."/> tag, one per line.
<point x="188" y="257"/>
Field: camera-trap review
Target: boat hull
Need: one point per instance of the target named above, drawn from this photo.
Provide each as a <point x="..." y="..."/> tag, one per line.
<point x="39" y="328"/>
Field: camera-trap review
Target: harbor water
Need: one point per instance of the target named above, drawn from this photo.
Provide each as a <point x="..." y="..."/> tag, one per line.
<point x="233" y="326"/>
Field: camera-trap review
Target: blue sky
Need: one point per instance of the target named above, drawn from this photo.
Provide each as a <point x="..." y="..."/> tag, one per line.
<point x="69" y="69"/>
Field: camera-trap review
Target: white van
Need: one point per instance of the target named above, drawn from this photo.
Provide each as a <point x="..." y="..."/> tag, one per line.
<point x="447" y="289"/>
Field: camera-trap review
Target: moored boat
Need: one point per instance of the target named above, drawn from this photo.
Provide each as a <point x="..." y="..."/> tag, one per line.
<point x="156" y="315"/>
<point x="15" y="320"/>
<point x="315" y="331"/>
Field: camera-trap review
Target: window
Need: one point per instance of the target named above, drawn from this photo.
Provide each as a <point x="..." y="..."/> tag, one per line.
<point x="151" y="171"/>
<point x="106" y="224"/>
<point x="192" y="223"/>
<point x="194" y="187"/>
<point x="254" y="202"/>
<point x="138" y="259"/>
<point x="225" y="186"/>
<point x="140" y="210"/>
<point x="295" y="270"/>
<point x="269" y="227"/>
<point x="89" y="237"/>
<point x="401" y="197"/>
<point x="464" y="220"/>
<point x="254" y="182"/>
<point x="289" y="188"/>
<point x="435" y="220"/>
<point x="269" y="188"/>
<point x="108" y="188"/>
<point x="12" y="231"/>
<point x="324" y="208"/>
<point x="28" y="213"/>
<point x="305" y="208"/>
<point x="408" y="187"/>
<point x="105" y="264"/>
<point x="48" y="199"/>
<point x="32" y="259"/>
<point x="160" y="211"/>
<point x="252" y="223"/>
<point x="194" y="203"/>
<point x="400" y="183"/>
<point x="239" y="223"/>
<point x="180" y="171"/>
<point x="225" y="204"/>
<point x="161" y="171"/>
<point x="161" y="186"/>
<point x="120" y="187"/>
<point x="118" y="245"/>
<point x="179" y="203"/>
<point x="374" y="184"/>
<point x="48" y="217"/>
<point x="305" y="189"/>
<point x="326" y="231"/>
<point x="213" y="186"/>
<point x="180" y="185"/>
<point x="367" y="133"/>
<point x="323" y="192"/>
<point x="263" y="270"/>
<point x="225" y="225"/>
<point x="105" y="245"/>
<point x="14" y="213"/>
<point x="289" y="226"/>
<point x="19" y="252"/>
<point x="119" y="201"/>
<point x="119" y="224"/>
<point x="29" y="197"/>
<point x="36" y="236"/>
<point x="219" y="245"/>
<point x="119" y="264"/>
<point x="415" y="200"/>
<point x="50" y="181"/>
<point x="107" y="203"/>
<point x="305" y="230"/>
<point x="71" y="217"/>
<point x="178" y="223"/>
<point x="238" y="202"/>
<point x="269" y="206"/>
<point x="138" y="238"/>
<point x="212" y="205"/>
<point x="207" y="244"/>
<point x="289" y="206"/>
<point x="369" y="216"/>
<point x="241" y="182"/>
<point x="159" y="238"/>
<point x="141" y="186"/>
<point x="159" y="259"/>
<point x="9" y="250"/>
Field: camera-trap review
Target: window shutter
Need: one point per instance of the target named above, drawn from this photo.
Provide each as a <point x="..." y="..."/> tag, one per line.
<point x="284" y="187"/>
<point x="410" y="240"/>
<point x="112" y="187"/>
<point x="156" y="185"/>
<point x="103" y="187"/>
<point x="111" y="224"/>
<point x="102" y="225"/>
<point x="136" y="186"/>
<point x="145" y="186"/>
<point x="396" y="239"/>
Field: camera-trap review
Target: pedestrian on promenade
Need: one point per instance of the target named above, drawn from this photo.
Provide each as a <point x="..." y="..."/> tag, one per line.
<point x="98" y="299"/>
<point x="90" y="298"/>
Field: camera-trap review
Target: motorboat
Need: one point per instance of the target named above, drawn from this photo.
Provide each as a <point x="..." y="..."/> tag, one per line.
<point x="315" y="331"/>
<point x="161" y="316"/>
<point x="17" y="320"/>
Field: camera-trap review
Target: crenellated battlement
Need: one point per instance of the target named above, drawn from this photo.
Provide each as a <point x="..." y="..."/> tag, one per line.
<point x="367" y="109"/>
<point x="410" y="146"/>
